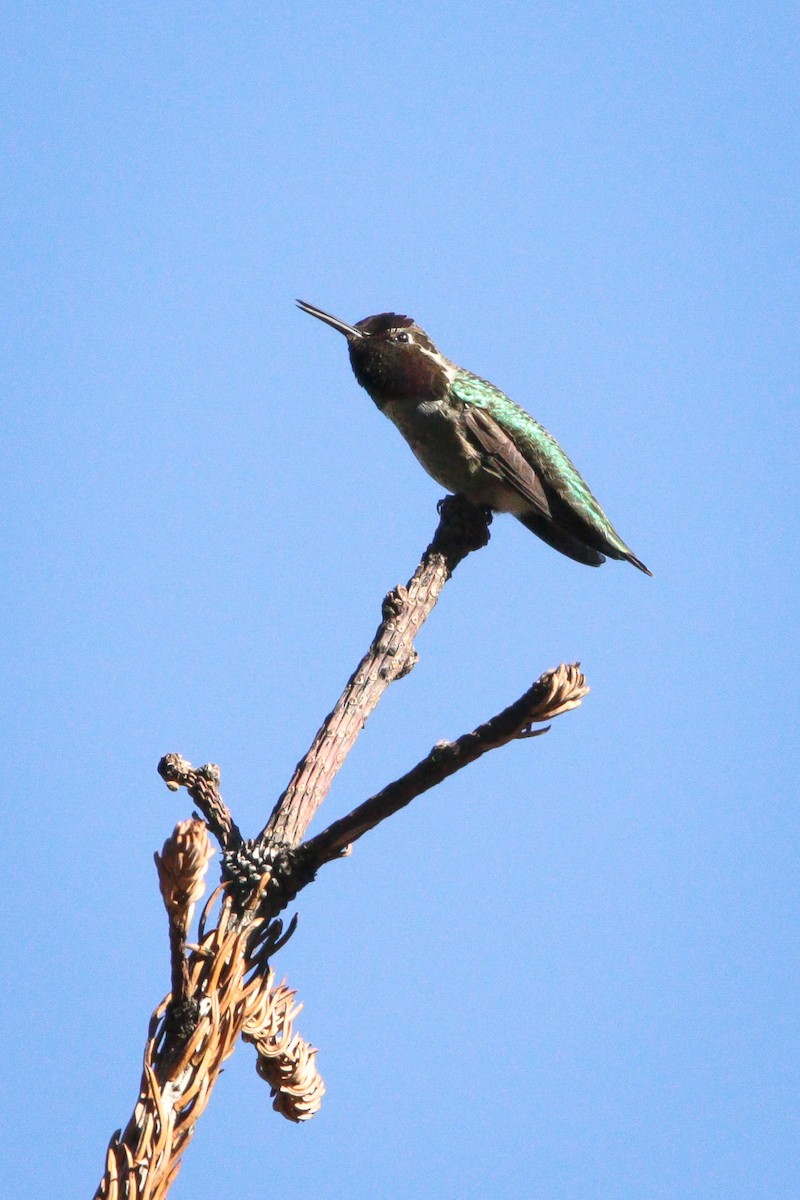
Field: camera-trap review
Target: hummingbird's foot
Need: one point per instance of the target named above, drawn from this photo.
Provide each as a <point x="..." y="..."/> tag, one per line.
<point x="463" y="527"/>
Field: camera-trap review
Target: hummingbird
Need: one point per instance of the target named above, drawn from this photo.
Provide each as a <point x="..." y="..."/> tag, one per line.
<point x="474" y="440"/>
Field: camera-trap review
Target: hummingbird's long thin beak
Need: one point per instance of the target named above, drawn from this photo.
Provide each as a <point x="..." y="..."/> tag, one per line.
<point x="349" y="331"/>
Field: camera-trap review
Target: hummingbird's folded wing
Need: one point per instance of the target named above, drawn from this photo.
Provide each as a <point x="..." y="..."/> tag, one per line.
<point x="531" y="460"/>
<point x="502" y="456"/>
<point x="563" y="510"/>
<point x="505" y="459"/>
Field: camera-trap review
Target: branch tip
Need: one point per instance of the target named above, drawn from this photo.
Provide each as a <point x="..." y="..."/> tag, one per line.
<point x="202" y="784"/>
<point x="555" y="692"/>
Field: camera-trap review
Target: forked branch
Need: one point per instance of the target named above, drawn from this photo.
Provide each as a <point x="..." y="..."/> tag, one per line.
<point x="222" y="987"/>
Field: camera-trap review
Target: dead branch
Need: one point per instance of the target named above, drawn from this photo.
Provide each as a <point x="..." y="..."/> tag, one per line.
<point x="185" y="1052"/>
<point x="202" y="784"/>
<point x="222" y="987"/>
<point x="554" y="693"/>
<point x="462" y="528"/>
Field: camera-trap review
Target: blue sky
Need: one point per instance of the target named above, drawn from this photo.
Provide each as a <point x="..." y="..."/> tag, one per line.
<point x="570" y="972"/>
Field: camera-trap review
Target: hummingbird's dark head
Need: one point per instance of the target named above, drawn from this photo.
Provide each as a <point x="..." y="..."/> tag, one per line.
<point x="391" y="356"/>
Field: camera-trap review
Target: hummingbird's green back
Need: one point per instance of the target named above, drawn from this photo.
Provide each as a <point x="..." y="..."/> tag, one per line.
<point x="566" y="489"/>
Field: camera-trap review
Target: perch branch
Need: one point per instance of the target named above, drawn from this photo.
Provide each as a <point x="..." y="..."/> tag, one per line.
<point x="222" y="986"/>
<point x="462" y="529"/>
<point x="555" y="692"/>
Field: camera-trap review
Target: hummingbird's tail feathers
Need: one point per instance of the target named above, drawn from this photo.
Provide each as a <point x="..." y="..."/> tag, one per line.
<point x="559" y="539"/>
<point x="637" y="562"/>
<point x="592" y="529"/>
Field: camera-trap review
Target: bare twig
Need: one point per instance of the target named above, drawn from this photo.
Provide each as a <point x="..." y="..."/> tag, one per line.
<point x="462" y="529"/>
<point x="555" y="692"/>
<point x="202" y="784"/>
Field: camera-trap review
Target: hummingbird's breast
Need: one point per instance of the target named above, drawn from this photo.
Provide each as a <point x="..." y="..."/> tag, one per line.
<point x="415" y="389"/>
<point x="435" y="431"/>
